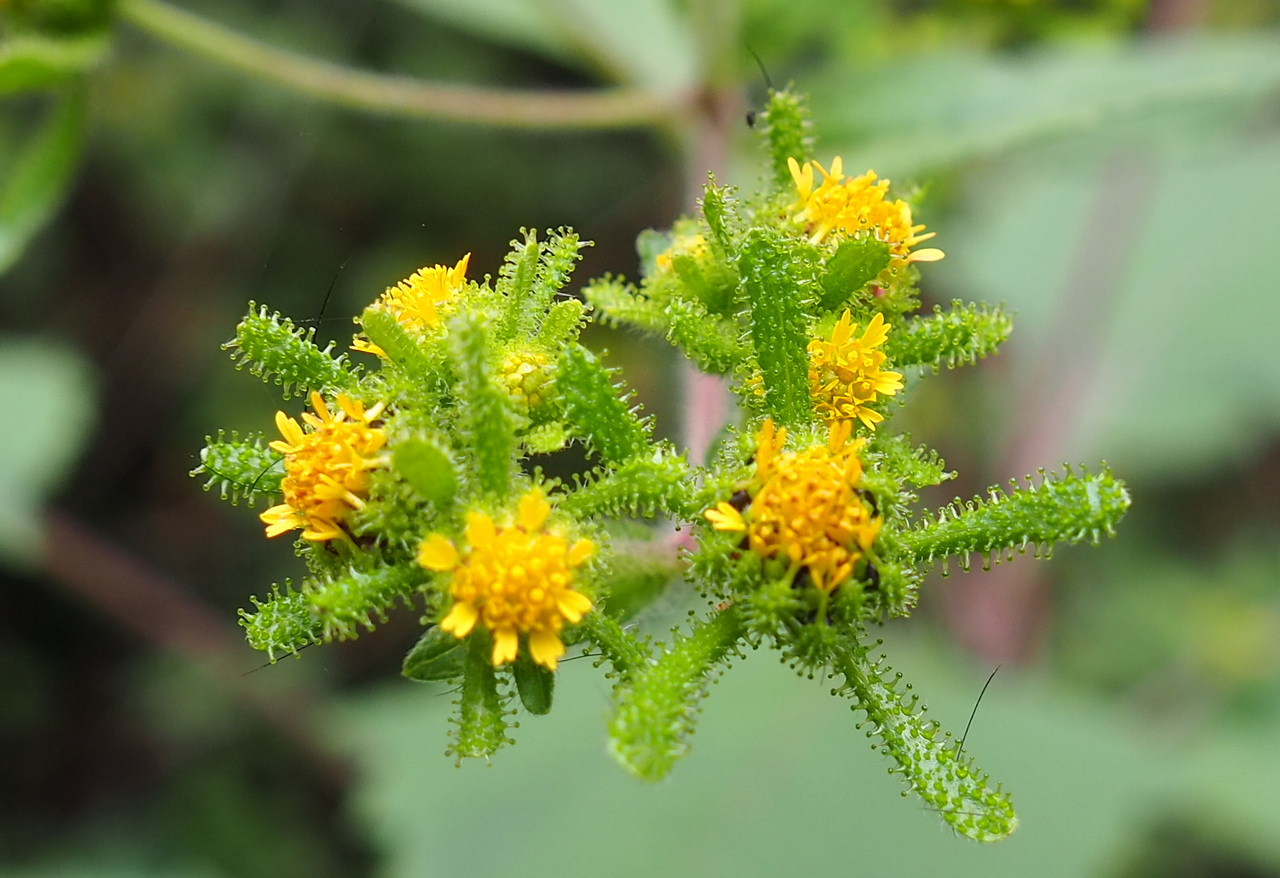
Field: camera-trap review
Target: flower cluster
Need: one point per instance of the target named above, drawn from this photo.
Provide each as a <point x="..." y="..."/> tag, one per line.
<point x="842" y="206"/>
<point x="418" y="479"/>
<point x="515" y="579"/>
<point x="326" y="467"/>
<point x="419" y="302"/>
<point x="845" y="374"/>
<point x="806" y="508"/>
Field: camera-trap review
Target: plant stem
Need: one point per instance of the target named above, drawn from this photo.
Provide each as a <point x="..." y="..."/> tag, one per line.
<point x="398" y="95"/>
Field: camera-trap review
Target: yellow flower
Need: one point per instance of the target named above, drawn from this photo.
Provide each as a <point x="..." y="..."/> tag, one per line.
<point x="805" y="507"/>
<point x="326" y="468"/>
<point x="854" y="207"/>
<point x="844" y="372"/>
<point x="514" y="580"/>
<point x="525" y="375"/>
<point x="418" y="301"/>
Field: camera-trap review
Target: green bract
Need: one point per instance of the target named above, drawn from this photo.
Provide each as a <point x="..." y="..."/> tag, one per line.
<point x="416" y="479"/>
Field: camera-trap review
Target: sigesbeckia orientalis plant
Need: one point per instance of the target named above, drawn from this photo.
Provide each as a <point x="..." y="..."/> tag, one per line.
<point x="414" y="478"/>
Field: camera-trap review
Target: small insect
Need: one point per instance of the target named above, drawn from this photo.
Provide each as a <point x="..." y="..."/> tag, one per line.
<point x="768" y="84"/>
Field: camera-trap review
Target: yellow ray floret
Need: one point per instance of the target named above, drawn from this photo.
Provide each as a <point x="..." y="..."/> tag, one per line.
<point x="845" y="377"/>
<point x="420" y="301"/>
<point x="326" y="467"/>
<point x="851" y="207"/>
<point x="514" y="580"/>
<point x="805" y="507"/>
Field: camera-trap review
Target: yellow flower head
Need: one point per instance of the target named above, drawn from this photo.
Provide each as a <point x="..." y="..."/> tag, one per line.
<point x="419" y="301"/>
<point x="806" y="507"/>
<point x="844" y="371"/>
<point x="854" y="207"/>
<point x="525" y="375"/>
<point x="513" y="579"/>
<point x="326" y="468"/>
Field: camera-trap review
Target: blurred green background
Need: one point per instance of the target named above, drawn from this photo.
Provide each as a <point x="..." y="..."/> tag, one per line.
<point x="1108" y="169"/>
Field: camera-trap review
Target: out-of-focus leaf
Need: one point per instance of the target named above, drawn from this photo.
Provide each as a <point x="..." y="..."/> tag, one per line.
<point x="34" y="185"/>
<point x="645" y="43"/>
<point x="47" y="397"/>
<point x="32" y="62"/>
<point x="1084" y="775"/>
<point x="936" y="111"/>
<point x="524" y="24"/>
<point x="1156" y="271"/>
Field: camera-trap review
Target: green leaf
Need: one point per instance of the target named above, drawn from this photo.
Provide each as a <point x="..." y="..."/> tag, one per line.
<point x="933" y="769"/>
<point x="787" y="131"/>
<point x="626" y="652"/>
<point x="970" y="106"/>
<point x="596" y="409"/>
<point x="34" y="61"/>
<point x="962" y="335"/>
<point x="401" y="349"/>
<point x="428" y="468"/>
<point x="640" y="42"/>
<point x="437" y="656"/>
<point x="481" y="721"/>
<point x="47" y="392"/>
<point x="642" y="486"/>
<point x="241" y="469"/>
<point x="1068" y="508"/>
<point x="656" y="708"/>
<point x="487" y="421"/>
<point x="561" y="325"/>
<point x="38" y="179"/>
<point x="356" y="599"/>
<point x="773" y="278"/>
<point x="282" y="624"/>
<point x="856" y="263"/>
<point x="618" y="304"/>
<point x="535" y="684"/>
<point x="276" y="350"/>
<point x="710" y="341"/>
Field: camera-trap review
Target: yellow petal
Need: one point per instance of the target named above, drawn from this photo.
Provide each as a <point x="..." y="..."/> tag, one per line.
<point x="843" y="329"/>
<point x="323" y="529"/>
<point x="533" y="511"/>
<point x="876" y="332"/>
<point x="288" y="428"/>
<point x="580" y="551"/>
<point x="928" y="254"/>
<point x="280" y="519"/>
<point x="573" y="605"/>
<point x="505" y="645"/>
<point x="437" y="553"/>
<point x="317" y="403"/>
<point x="480" y="529"/>
<point x="545" y="647"/>
<point x="725" y="517"/>
<point x="458" y="275"/>
<point x="461" y="619"/>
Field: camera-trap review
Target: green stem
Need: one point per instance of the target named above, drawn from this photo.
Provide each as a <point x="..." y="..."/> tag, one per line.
<point x="398" y="95"/>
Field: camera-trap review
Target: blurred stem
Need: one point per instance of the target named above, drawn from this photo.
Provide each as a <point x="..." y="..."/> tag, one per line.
<point x="613" y="108"/>
<point x="707" y="402"/>
<point x="140" y="599"/>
